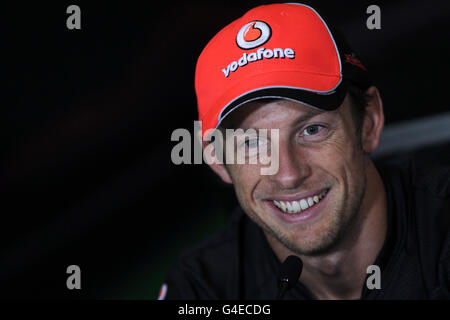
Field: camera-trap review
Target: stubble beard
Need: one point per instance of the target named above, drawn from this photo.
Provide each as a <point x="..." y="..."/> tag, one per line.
<point x="345" y="223"/>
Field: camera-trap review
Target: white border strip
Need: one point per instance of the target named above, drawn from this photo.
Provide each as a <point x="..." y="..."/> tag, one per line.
<point x="414" y="134"/>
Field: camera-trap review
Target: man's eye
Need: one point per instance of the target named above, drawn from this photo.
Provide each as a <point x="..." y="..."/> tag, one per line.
<point x="251" y="143"/>
<point x="312" y="130"/>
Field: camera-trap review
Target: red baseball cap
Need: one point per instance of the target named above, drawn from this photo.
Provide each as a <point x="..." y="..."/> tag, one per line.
<point x="274" y="51"/>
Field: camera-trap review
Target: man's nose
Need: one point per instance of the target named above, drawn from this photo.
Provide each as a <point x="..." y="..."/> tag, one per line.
<point x="293" y="168"/>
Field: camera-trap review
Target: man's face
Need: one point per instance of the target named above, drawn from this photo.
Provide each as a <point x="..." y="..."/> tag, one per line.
<point x="315" y="197"/>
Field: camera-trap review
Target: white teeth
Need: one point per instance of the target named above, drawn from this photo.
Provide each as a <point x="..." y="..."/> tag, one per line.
<point x="295" y="206"/>
<point x="299" y="205"/>
<point x="322" y="194"/>
<point x="303" y="204"/>
<point x="289" y="207"/>
<point x="283" y="206"/>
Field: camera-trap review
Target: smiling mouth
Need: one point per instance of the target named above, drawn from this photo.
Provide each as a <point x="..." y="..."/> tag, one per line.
<point x="300" y="205"/>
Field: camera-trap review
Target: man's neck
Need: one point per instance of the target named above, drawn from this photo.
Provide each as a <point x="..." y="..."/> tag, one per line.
<point x="340" y="274"/>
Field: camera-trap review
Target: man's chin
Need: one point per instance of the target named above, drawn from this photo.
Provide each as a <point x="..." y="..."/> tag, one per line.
<point x="307" y="242"/>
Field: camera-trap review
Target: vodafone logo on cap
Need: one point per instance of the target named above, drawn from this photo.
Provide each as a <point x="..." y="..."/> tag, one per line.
<point x="253" y="34"/>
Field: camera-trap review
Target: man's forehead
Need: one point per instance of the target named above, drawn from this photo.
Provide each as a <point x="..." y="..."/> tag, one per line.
<point x="269" y="110"/>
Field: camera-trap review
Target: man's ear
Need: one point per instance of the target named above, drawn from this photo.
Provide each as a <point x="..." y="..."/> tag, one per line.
<point x="212" y="158"/>
<point x="373" y="121"/>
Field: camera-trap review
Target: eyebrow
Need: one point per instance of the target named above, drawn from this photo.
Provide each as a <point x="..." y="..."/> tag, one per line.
<point x="311" y="113"/>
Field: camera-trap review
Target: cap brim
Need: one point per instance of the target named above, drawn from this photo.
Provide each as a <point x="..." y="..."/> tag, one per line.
<point x="326" y="100"/>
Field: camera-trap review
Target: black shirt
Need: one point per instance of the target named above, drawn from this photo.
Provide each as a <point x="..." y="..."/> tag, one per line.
<point x="238" y="263"/>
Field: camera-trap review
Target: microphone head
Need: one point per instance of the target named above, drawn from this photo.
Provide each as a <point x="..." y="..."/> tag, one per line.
<point x="290" y="271"/>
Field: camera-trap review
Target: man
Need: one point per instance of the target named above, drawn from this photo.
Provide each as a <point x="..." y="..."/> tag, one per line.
<point x="280" y="67"/>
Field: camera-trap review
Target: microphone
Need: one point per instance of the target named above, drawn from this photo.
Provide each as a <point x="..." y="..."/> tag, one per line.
<point x="288" y="275"/>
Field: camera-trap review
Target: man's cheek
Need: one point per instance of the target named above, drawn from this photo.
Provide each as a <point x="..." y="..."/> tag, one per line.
<point x="272" y="158"/>
<point x="245" y="177"/>
<point x="241" y="175"/>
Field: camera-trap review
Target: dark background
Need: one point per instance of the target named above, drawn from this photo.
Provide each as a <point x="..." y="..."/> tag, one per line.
<point x="87" y="117"/>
